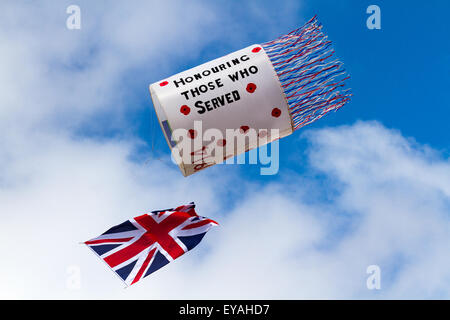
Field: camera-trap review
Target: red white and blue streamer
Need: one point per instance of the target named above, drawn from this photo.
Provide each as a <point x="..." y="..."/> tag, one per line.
<point x="313" y="79"/>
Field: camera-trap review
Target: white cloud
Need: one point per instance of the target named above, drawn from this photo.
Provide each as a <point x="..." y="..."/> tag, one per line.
<point x="387" y="205"/>
<point x="56" y="75"/>
<point x="59" y="77"/>
<point x="381" y="199"/>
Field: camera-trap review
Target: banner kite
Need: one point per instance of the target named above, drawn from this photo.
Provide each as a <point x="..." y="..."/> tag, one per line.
<point x="140" y="246"/>
<point x="249" y="98"/>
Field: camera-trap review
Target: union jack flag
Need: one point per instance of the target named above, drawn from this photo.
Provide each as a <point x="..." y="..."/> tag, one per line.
<point x="140" y="246"/>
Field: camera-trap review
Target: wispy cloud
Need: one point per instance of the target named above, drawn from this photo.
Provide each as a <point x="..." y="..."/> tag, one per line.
<point x="387" y="204"/>
<point x="59" y="77"/>
<point x="377" y="198"/>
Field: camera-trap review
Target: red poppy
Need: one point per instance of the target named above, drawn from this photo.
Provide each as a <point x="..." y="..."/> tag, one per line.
<point x="185" y="110"/>
<point x="192" y="133"/>
<point x="276" y="112"/>
<point x="251" y="87"/>
<point x="244" y="129"/>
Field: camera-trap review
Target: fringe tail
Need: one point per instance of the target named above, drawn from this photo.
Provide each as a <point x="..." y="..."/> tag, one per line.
<point x="312" y="79"/>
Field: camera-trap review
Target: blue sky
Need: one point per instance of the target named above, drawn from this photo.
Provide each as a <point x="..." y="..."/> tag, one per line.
<point x="367" y="185"/>
<point x="396" y="72"/>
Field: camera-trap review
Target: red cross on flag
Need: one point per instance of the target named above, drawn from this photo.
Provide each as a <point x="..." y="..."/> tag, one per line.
<point x="140" y="246"/>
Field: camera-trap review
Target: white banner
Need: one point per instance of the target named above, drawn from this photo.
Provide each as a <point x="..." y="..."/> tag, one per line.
<point x="199" y="108"/>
